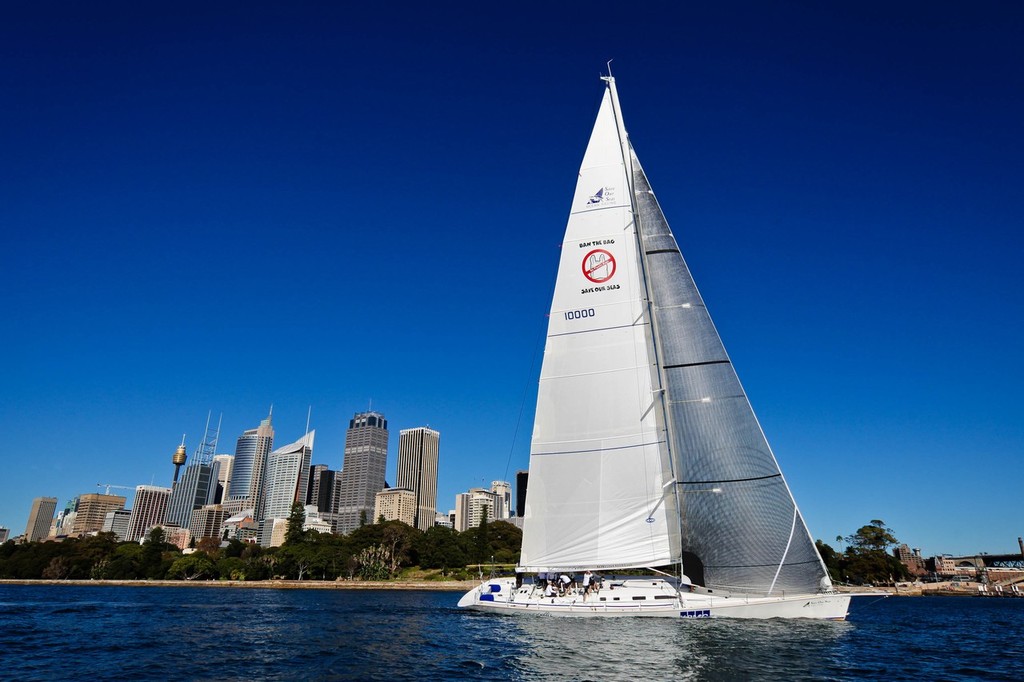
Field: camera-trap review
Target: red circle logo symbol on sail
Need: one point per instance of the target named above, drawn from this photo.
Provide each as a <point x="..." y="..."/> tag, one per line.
<point x="599" y="266"/>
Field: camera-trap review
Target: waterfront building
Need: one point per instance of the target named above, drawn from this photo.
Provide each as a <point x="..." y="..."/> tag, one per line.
<point x="287" y="477"/>
<point x="207" y="521"/>
<point x="149" y="510"/>
<point x="224" y="466"/>
<point x="197" y="487"/>
<point x="116" y="522"/>
<point x="251" y="453"/>
<point x="912" y="559"/>
<point x="503" y="491"/>
<point x="522" y="477"/>
<point x="417" y="471"/>
<point x="395" y="504"/>
<point x="471" y="507"/>
<point x="39" y="518"/>
<point x="92" y="511"/>
<point x="362" y="472"/>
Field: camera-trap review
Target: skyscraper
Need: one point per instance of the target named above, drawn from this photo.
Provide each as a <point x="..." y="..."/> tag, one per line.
<point x="417" y="471"/>
<point x="250" y="462"/>
<point x="320" y="492"/>
<point x="39" y="518"/>
<point x="149" y="509"/>
<point x="92" y="511"/>
<point x="197" y="487"/>
<point x="522" y="477"/>
<point x="362" y="472"/>
<point x="288" y="477"/>
<point x="225" y="462"/>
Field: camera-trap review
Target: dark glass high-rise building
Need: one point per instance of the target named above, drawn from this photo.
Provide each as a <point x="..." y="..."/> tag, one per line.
<point x="197" y="487"/>
<point x="417" y="471"/>
<point x="521" y="479"/>
<point x="362" y="471"/>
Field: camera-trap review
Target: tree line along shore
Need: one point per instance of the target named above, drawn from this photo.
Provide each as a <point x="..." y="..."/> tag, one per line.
<point x="381" y="552"/>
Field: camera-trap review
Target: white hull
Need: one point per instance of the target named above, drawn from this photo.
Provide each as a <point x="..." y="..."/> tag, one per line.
<point x="654" y="598"/>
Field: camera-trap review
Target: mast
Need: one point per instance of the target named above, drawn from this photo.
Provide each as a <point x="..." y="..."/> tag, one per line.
<point x="660" y="397"/>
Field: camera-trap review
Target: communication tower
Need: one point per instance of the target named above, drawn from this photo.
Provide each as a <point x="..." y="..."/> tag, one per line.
<point x="207" y="447"/>
<point x="178" y="458"/>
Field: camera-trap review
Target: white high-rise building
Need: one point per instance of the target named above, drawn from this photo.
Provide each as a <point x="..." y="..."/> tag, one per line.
<point x="224" y="465"/>
<point x="149" y="510"/>
<point x="287" y="478"/>
<point x="470" y="508"/>
<point x="503" y="489"/>
<point x="417" y="471"/>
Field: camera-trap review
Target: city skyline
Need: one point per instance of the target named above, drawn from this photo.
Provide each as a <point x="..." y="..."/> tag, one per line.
<point x="359" y="209"/>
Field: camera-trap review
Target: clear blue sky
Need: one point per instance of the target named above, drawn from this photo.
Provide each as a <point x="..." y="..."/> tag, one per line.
<point x="327" y="203"/>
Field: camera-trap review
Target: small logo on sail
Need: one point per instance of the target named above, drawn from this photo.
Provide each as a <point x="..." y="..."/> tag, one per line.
<point x="605" y="195"/>
<point x="599" y="266"/>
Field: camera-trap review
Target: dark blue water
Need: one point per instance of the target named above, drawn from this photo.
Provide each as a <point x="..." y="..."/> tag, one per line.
<point x="63" y="632"/>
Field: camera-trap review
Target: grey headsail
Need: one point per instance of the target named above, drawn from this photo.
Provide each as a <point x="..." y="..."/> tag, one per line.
<point x="740" y="528"/>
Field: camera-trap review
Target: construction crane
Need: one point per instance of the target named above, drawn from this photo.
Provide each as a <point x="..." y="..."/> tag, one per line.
<point x="108" y="486"/>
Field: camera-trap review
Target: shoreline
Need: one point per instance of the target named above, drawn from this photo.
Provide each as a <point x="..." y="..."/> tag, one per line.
<point x="430" y="585"/>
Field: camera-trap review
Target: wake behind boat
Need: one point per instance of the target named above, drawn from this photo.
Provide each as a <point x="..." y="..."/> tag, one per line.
<point x="645" y="450"/>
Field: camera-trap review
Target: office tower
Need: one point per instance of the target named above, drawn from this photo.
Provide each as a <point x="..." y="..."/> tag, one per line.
<point x="362" y="471"/>
<point x="92" y="511"/>
<point x="250" y="462"/>
<point x="288" y="477"/>
<point x="320" y="492"/>
<point x="503" y="490"/>
<point x="116" y="522"/>
<point x="197" y="487"/>
<point x="149" y="510"/>
<point x="472" y="506"/>
<point x="396" y="504"/>
<point x="224" y="466"/>
<point x="207" y="521"/>
<point x="417" y="471"/>
<point x="522" y="477"/>
<point x="39" y="518"/>
<point x="5" y="534"/>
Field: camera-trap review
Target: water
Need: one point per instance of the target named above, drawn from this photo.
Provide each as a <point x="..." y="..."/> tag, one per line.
<point x="62" y="632"/>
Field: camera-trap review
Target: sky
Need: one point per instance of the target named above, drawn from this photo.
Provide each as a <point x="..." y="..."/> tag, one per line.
<point x="332" y="206"/>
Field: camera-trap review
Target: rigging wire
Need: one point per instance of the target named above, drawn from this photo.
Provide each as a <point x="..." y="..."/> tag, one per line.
<point x="526" y="392"/>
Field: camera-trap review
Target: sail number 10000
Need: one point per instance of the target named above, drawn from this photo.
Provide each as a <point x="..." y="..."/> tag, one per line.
<point x="579" y="314"/>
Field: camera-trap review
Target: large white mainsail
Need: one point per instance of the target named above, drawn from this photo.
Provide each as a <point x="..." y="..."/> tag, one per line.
<point x="597" y="495"/>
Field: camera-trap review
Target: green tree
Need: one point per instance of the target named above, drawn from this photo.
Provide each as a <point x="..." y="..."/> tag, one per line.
<point x="439" y="547"/>
<point x="867" y="560"/>
<point x="192" y="567"/>
<point x="296" y="518"/>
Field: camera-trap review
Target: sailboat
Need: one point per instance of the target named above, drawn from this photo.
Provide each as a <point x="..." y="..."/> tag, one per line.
<point x="646" y="453"/>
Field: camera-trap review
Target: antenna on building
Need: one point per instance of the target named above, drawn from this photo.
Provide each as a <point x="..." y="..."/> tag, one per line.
<point x="207" y="447"/>
<point x="309" y="413"/>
